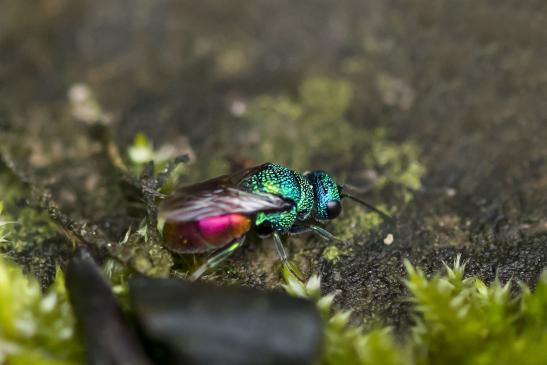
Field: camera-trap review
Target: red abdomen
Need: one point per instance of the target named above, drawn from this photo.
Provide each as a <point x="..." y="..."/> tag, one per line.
<point x="206" y="234"/>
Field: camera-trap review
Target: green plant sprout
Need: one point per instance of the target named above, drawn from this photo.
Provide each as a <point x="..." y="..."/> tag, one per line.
<point x="142" y="151"/>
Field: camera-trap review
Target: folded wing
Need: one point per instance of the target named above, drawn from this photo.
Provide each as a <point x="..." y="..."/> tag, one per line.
<point x="219" y="196"/>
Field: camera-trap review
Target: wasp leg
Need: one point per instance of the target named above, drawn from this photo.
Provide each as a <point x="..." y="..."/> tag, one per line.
<point x="284" y="258"/>
<point x="217" y="258"/>
<point x="321" y="232"/>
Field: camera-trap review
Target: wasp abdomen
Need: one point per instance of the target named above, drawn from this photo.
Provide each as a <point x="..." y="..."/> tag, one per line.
<point x="205" y="234"/>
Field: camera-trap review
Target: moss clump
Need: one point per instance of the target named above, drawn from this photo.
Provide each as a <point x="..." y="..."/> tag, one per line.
<point x="333" y="253"/>
<point x="35" y="328"/>
<point x="462" y="320"/>
<point x="356" y="219"/>
<point x="27" y="234"/>
<point x="293" y="132"/>
<point x="458" y="321"/>
<point x="142" y="253"/>
<point x="398" y="168"/>
<point x="397" y="163"/>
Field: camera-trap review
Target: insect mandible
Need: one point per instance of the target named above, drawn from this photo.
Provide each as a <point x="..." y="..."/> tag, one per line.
<point x="270" y="199"/>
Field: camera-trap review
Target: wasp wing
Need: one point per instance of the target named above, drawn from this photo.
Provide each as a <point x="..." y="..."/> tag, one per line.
<point x="219" y="196"/>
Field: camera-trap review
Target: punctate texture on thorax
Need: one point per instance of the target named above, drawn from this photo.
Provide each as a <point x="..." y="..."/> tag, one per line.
<point x="291" y="185"/>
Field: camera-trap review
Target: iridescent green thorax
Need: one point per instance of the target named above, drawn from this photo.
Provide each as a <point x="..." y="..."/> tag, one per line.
<point x="279" y="180"/>
<point x="325" y="189"/>
<point x="307" y="199"/>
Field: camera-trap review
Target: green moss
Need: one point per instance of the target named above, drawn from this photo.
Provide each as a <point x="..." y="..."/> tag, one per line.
<point x="398" y="167"/>
<point x="458" y="321"/>
<point x="333" y="253"/>
<point x="28" y="235"/>
<point x="462" y="320"/>
<point x="35" y="327"/>
<point x="397" y="162"/>
<point x="293" y="132"/>
<point x="354" y="219"/>
<point x="143" y="253"/>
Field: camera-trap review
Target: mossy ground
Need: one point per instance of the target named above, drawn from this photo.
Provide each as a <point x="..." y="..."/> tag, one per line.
<point x="30" y="237"/>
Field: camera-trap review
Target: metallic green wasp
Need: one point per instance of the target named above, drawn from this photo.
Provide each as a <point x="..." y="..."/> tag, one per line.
<point x="270" y="199"/>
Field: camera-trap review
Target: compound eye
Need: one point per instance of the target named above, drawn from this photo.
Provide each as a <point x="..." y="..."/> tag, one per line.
<point x="264" y="229"/>
<point x="333" y="209"/>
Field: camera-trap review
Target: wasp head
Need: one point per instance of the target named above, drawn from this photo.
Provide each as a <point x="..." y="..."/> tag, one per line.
<point x="327" y="195"/>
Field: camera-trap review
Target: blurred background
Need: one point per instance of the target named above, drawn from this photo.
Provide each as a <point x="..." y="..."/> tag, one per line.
<point x="434" y="111"/>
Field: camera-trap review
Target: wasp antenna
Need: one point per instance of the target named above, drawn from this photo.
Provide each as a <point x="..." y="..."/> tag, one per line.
<point x="367" y="205"/>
